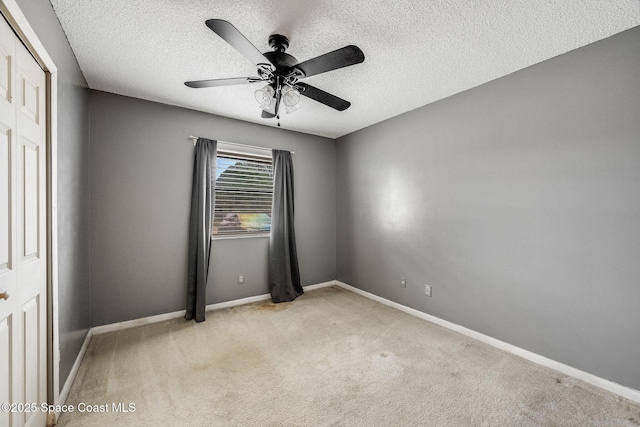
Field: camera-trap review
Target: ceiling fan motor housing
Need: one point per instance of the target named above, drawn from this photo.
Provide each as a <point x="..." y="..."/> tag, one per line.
<point x="283" y="61"/>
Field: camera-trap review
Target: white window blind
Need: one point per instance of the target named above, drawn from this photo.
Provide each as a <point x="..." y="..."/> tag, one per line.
<point x="243" y="193"/>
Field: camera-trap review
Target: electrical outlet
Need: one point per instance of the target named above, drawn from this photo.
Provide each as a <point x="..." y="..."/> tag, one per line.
<point x="403" y="282"/>
<point x="427" y="290"/>
<point x="240" y="278"/>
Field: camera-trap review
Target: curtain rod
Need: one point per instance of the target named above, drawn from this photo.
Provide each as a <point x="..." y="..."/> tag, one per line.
<point x="195" y="138"/>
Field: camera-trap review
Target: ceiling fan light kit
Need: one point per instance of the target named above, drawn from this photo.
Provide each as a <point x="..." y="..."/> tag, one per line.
<point x="290" y="98"/>
<point x="264" y="96"/>
<point x="281" y="72"/>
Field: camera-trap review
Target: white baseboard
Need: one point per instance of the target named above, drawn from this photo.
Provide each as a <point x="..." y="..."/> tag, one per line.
<point x="602" y="383"/>
<point x="103" y="329"/>
<point x="319" y="285"/>
<point x="96" y="330"/>
<point x="64" y="393"/>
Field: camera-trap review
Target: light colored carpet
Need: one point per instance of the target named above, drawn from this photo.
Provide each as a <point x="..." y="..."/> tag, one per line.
<point x="331" y="358"/>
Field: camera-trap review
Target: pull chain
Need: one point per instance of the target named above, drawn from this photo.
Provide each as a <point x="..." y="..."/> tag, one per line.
<point x="278" y="117"/>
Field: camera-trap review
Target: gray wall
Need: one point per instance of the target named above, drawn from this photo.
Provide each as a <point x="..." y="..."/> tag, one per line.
<point x="73" y="183"/>
<point x="141" y="169"/>
<point x="518" y="201"/>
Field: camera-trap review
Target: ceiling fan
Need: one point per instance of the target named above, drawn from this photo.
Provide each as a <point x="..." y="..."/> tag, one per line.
<point x="281" y="72"/>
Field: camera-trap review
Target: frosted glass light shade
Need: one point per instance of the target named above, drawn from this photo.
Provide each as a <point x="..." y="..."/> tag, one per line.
<point x="290" y="96"/>
<point x="264" y="96"/>
<point x="271" y="108"/>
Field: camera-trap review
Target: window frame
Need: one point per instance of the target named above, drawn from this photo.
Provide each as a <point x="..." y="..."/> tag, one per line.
<point x="251" y="154"/>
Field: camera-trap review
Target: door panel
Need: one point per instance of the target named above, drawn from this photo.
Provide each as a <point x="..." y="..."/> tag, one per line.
<point x="5" y="199"/>
<point x="31" y="220"/>
<point x="6" y="56"/>
<point x="30" y="98"/>
<point x="31" y="215"/>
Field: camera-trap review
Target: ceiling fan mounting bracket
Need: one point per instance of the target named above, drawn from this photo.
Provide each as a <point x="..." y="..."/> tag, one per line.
<point x="278" y="42"/>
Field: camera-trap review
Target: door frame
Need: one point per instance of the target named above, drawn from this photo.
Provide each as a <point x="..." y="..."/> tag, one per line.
<point x="12" y="13"/>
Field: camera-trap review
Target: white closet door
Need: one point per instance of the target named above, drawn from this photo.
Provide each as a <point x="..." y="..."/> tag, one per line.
<point x="23" y="258"/>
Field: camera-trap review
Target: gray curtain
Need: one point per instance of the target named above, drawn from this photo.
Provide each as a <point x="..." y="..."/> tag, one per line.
<point x="284" y="274"/>
<point x="200" y="228"/>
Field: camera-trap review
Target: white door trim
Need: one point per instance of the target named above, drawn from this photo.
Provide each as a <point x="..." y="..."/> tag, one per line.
<point x="12" y="13"/>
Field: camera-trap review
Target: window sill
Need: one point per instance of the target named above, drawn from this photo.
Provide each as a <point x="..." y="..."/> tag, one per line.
<point x="249" y="236"/>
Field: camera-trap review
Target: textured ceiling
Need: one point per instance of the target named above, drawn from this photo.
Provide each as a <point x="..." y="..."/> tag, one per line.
<point x="416" y="51"/>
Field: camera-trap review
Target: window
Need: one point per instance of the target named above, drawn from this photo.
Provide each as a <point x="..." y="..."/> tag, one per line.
<point x="243" y="193"/>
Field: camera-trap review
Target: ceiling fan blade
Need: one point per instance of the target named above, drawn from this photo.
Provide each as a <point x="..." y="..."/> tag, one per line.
<point x="348" y="55"/>
<point x="323" y="97"/>
<point x="222" y="82"/>
<point x="266" y="115"/>
<point x="231" y="35"/>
